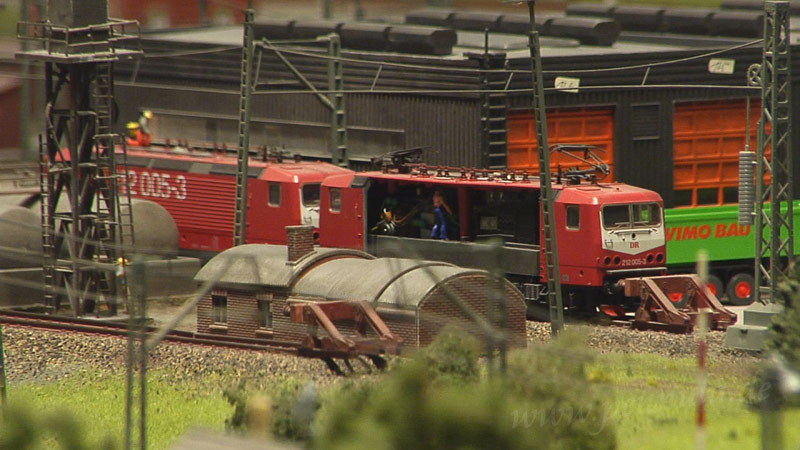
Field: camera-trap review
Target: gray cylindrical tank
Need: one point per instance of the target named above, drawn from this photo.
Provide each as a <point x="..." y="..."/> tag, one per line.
<point x="20" y="238"/>
<point x="155" y="232"/>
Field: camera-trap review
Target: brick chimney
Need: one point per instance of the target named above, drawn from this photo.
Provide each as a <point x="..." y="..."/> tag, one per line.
<point x="300" y="240"/>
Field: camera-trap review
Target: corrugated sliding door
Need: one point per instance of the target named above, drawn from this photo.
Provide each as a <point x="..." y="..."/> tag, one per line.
<point x="594" y="126"/>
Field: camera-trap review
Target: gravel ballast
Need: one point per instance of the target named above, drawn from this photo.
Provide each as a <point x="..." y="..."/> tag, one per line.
<point x="42" y="355"/>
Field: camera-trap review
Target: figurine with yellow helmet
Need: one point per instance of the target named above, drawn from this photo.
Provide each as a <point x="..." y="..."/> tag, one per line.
<point x="139" y="131"/>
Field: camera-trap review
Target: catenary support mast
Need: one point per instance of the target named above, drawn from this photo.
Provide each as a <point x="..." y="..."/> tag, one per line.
<point x="245" y="99"/>
<point x="555" y="301"/>
<point x="774" y="226"/>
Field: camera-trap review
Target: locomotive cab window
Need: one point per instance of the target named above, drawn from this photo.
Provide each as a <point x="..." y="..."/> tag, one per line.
<point x="274" y="194"/>
<point x="336" y="199"/>
<point x="311" y="194"/>
<point x="631" y="215"/>
<point x="573" y="217"/>
<point x="219" y="308"/>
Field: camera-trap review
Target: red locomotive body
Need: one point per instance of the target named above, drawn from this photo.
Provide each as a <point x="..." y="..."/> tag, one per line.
<point x="199" y="190"/>
<point x="606" y="231"/>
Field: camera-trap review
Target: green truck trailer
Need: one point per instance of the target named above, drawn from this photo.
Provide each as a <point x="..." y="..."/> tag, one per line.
<point x="730" y="247"/>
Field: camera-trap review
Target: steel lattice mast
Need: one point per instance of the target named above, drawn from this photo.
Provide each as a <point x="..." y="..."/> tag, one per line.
<point x="243" y="154"/>
<point x="555" y="300"/>
<point x="774" y="225"/>
<point x="85" y="221"/>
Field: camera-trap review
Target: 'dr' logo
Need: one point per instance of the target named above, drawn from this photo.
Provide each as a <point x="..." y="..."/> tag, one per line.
<point x="634" y="245"/>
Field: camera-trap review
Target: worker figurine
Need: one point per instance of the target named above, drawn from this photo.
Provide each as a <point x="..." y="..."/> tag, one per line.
<point x="144" y="135"/>
<point x="139" y="132"/>
<point x="390" y="222"/>
<point x="440" y="224"/>
<point x="121" y="278"/>
<point x="133" y="133"/>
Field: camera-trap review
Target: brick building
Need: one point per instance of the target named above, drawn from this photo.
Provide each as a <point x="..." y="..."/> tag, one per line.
<point x="254" y="284"/>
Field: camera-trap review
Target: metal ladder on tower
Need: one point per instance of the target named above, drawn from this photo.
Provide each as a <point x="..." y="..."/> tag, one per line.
<point x="48" y="232"/>
<point x="338" y="117"/>
<point x="494" y="111"/>
<point x="108" y="202"/>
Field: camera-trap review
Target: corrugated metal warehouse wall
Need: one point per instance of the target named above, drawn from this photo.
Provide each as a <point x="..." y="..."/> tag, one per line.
<point x="450" y="124"/>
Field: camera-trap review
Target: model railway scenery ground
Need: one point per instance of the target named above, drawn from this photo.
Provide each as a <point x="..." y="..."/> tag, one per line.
<point x="410" y="225"/>
<point x="647" y="381"/>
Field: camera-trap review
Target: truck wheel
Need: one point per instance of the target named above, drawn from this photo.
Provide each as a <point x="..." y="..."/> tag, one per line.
<point x="740" y="290"/>
<point x="678" y="299"/>
<point x="714" y="285"/>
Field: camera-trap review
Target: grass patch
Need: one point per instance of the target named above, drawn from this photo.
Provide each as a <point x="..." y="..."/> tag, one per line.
<point x="651" y="403"/>
<point x="654" y="403"/>
<point x="98" y="402"/>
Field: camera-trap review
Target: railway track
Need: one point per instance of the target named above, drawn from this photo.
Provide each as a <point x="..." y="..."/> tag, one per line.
<point x="120" y="328"/>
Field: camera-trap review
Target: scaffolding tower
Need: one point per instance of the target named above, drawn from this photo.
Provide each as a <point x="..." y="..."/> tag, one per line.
<point x="86" y="222"/>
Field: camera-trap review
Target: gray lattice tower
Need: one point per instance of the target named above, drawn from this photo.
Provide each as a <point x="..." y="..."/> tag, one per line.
<point x="82" y="210"/>
<point x="774" y="225"/>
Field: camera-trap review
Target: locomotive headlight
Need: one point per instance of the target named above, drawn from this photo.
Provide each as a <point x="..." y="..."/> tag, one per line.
<point x="607" y="260"/>
<point x="649" y="257"/>
<point x="617" y="260"/>
<point x="660" y="257"/>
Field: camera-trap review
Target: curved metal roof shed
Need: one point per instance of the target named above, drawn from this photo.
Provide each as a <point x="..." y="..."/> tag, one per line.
<point x="254" y="266"/>
<point x="415" y="299"/>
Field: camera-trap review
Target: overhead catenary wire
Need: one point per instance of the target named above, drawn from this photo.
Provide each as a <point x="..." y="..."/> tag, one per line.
<point x="382" y="63"/>
<point x="206" y="90"/>
<point x="489" y="71"/>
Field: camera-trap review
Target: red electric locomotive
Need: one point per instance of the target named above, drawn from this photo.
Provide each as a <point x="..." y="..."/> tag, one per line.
<point x="605" y="231"/>
<point x="198" y="189"/>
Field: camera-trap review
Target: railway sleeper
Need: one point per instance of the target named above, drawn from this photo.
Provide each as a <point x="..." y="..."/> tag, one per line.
<point x="674" y="302"/>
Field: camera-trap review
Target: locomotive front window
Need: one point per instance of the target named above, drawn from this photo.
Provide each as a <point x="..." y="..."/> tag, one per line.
<point x="646" y="214"/>
<point x="311" y="195"/>
<point x="632" y="215"/>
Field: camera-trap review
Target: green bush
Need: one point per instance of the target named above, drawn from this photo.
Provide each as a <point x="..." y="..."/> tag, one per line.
<point x="784" y="336"/>
<point x="453" y="356"/>
<point x="22" y="428"/>
<point x="287" y="423"/>
<point x="438" y="401"/>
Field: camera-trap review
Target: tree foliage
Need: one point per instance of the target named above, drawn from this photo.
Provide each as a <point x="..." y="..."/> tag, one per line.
<point x="438" y="401"/>
<point x="293" y="406"/>
<point x="22" y="428"/>
<point x="784" y="336"/>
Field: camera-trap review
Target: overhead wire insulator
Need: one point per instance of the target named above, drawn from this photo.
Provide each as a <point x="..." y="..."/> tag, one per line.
<point x="747" y="187"/>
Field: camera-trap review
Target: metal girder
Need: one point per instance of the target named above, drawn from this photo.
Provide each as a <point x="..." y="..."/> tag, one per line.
<point x="333" y="100"/>
<point x="774" y="225"/>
